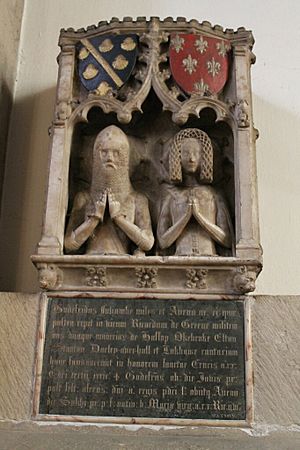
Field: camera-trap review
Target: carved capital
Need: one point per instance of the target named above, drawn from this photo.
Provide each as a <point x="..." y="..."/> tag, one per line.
<point x="49" y="245"/>
<point x="66" y="49"/>
<point x="63" y="110"/>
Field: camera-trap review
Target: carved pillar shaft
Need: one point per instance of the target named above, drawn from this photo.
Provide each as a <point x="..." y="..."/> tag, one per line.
<point x="247" y="231"/>
<point x="57" y="194"/>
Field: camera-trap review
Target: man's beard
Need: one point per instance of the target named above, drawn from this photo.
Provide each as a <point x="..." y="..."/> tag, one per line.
<point x="117" y="180"/>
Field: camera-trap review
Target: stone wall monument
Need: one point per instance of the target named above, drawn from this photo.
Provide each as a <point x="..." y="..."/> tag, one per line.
<point x="151" y="236"/>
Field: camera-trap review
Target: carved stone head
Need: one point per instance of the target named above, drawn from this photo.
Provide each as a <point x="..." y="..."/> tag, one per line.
<point x="244" y="280"/>
<point x="112" y="148"/>
<point x="110" y="159"/>
<point x="49" y="276"/>
<point x="184" y="155"/>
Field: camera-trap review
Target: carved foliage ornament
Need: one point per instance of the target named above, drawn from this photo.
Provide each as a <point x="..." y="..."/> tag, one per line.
<point x="146" y="277"/>
<point x="196" y="278"/>
<point x="96" y="276"/>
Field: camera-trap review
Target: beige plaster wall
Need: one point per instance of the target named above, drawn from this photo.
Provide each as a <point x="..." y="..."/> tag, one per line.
<point x="10" y="26"/>
<point x="276" y="107"/>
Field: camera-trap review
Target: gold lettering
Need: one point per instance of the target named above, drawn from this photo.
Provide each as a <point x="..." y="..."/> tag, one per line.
<point x="195" y="325"/>
<point x="84" y="323"/>
<point x="142" y="364"/>
<point x="137" y="323"/>
<point x="173" y="364"/>
<point x="190" y="337"/>
<point x="226" y="392"/>
<point x="224" y="326"/>
<point x="197" y="364"/>
<point x="169" y="392"/>
<point x="218" y="352"/>
<point x="63" y="323"/>
<point x="148" y="391"/>
<point x="200" y="392"/>
<point x="115" y="324"/>
<point x="221" y="337"/>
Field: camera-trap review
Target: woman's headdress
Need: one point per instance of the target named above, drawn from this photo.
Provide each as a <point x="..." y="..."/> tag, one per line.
<point x="206" y="166"/>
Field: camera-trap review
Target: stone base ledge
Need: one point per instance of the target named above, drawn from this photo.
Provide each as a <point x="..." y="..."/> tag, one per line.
<point x="40" y="436"/>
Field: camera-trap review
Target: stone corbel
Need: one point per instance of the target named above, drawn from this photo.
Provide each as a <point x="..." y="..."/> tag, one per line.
<point x="244" y="280"/>
<point x="241" y="113"/>
<point x="50" y="276"/>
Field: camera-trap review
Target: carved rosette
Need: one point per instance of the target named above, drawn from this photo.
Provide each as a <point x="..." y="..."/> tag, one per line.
<point x="146" y="277"/>
<point x="96" y="277"/>
<point x="196" y="278"/>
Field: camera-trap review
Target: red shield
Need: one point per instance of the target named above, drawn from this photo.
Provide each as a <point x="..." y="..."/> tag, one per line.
<point x="199" y="64"/>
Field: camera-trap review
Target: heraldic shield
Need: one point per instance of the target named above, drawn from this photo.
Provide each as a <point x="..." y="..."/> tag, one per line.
<point x="106" y="62"/>
<point x="199" y="64"/>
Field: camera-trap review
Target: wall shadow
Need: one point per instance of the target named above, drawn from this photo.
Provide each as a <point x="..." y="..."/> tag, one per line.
<point x="24" y="189"/>
<point x="5" y="113"/>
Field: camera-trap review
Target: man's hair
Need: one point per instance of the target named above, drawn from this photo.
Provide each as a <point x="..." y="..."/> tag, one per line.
<point x="206" y="166"/>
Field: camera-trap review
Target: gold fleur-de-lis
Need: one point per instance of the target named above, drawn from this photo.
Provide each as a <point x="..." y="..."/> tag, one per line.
<point x="128" y="44"/>
<point x="177" y="43"/>
<point x="222" y="48"/>
<point x="106" y="46"/>
<point x="120" y="62"/>
<point x="90" y="72"/>
<point x="201" y="87"/>
<point x="189" y="64"/>
<point x="213" y="67"/>
<point x="201" y="45"/>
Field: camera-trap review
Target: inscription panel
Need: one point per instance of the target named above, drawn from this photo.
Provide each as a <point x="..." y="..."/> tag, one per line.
<point x="156" y="358"/>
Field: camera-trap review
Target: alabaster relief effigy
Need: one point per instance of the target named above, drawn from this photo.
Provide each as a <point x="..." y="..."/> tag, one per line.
<point x="193" y="215"/>
<point x="153" y="161"/>
<point x="111" y="215"/>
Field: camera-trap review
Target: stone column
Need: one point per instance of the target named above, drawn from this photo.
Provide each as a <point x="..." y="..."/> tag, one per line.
<point x="247" y="230"/>
<point x="57" y="195"/>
